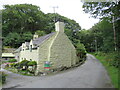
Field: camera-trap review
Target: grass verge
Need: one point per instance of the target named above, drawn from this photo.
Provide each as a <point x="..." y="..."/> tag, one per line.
<point x="112" y="71"/>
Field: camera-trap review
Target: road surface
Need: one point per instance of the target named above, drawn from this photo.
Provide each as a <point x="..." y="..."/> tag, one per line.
<point x="91" y="74"/>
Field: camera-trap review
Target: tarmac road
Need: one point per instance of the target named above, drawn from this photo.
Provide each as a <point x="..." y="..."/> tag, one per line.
<point x="91" y="74"/>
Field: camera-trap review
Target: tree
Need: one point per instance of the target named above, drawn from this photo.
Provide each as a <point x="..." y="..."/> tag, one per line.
<point x="12" y="39"/>
<point x="21" y="21"/>
<point x="22" y="18"/>
<point x="102" y="9"/>
<point x="26" y="37"/>
<point x="81" y="51"/>
<point x="106" y="11"/>
<point x="40" y="33"/>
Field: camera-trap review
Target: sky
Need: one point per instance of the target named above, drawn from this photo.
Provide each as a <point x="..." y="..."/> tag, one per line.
<point x="69" y="8"/>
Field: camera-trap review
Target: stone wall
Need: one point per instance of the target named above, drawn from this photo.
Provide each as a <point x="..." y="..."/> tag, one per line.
<point x="43" y="53"/>
<point x="63" y="52"/>
<point x="26" y="54"/>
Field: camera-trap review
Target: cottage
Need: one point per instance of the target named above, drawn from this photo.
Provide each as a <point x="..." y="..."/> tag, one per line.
<point x="52" y="50"/>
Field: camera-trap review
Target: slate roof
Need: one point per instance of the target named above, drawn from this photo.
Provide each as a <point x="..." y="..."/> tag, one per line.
<point x="39" y="40"/>
<point x="18" y="50"/>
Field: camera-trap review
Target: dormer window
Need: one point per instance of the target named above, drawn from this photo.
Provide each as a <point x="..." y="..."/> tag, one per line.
<point x="30" y="48"/>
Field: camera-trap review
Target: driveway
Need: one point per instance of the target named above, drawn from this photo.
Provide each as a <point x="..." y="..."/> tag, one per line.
<point x="91" y="74"/>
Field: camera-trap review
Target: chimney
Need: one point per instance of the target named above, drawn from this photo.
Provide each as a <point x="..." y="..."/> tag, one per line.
<point x="35" y="36"/>
<point x="59" y="26"/>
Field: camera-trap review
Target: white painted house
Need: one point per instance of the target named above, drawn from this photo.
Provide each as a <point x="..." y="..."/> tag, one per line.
<point x="55" y="48"/>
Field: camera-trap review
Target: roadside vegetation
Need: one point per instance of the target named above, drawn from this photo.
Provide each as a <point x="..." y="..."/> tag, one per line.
<point x="24" y="67"/>
<point x="2" y="78"/>
<point x="111" y="63"/>
<point x="103" y="39"/>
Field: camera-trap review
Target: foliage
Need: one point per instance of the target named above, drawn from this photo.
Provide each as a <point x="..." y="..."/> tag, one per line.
<point x="24" y="63"/>
<point x="105" y="59"/>
<point x="40" y="33"/>
<point x="21" y="21"/>
<point x="108" y="12"/>
<point x="16" y="65"/>
<point x="22" y="18"/>
<point x="112" y="58"/>
<point x="2" y="77"/>
<point x="30" y="19"/>
<point x="81" y="52"/>
<point x="12" y="39"/>
<point x="99" y="38"/>
<point x="12" y="64"/>
<point x="32" y="63"/>
<point x="12" y="60"/>
<point x="102" y="9"/>
<point x="115" y="60"/>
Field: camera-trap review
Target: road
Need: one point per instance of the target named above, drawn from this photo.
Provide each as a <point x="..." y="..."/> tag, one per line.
<point x="91" y="74"/>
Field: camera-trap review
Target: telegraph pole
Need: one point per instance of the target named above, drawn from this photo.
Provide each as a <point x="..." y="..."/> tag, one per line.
<point x="96" y="44"/>
<point x="54" y="11"/>
<point x="114" y="34"/>
<point x="54" y="8"/>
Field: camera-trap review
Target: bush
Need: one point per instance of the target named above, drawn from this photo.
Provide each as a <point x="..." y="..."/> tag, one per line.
<point x="32" y="63"/>
<point x="12" y="64"/>
<point x="12" y="60"/>
<point x="81" y="52"/>
<point x="24" y="62"/>
<point x="3" y="77"/>
<point x="115" y="60"/>
<point x="16" y="65"/>
<point x="111" y="58"/>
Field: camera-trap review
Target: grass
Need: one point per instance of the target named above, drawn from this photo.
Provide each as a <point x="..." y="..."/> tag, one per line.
<point x="112" y="71"/>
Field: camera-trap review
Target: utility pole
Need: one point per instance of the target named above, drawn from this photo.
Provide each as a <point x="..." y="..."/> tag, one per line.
<point x="54" y="11"/>
<point x="54" y="8"/>
<point x="114" y="34"/>
<point x="95" y="44"/>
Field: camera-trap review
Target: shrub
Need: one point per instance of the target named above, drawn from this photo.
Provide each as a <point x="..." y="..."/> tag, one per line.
<point x="17" y="65"/>
<point x="12" y="64"/>
<point x="3" y="77"/>
<point x="115" y="60"/>
<point x="32" y="63"/>
<point x="24" y="62"/>
<point x="12" y="60"/>
<point x="81" y="52"/>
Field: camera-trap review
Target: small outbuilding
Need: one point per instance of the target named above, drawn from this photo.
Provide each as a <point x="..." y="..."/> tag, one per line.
<point x="7" y="56"/>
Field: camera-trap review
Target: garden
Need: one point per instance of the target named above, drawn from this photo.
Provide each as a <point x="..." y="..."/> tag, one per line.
<point x="24" y="67"/>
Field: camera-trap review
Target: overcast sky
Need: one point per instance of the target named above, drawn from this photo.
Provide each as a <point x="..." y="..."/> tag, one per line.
<point x="68" y="8"/>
